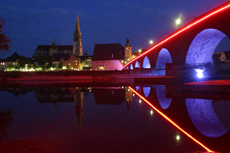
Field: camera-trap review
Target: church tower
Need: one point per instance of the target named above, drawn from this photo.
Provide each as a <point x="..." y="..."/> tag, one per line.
<point x="77" y="43"/>
<point x="128" y="50"/>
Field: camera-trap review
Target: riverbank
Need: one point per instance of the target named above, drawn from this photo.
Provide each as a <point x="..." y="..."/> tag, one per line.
<point x="7" y="77"/>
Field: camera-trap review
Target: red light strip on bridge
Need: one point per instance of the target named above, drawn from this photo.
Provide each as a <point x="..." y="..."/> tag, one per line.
<point x="180" y="31"/>
<point x="170" y="121"/>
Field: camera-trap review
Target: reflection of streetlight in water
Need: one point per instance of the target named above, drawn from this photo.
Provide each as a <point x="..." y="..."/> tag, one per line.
<point x="140" y="101"/>
<point x="151" y="112"/>
<point x="170" y="121"/>
<point x="178" y="137"/>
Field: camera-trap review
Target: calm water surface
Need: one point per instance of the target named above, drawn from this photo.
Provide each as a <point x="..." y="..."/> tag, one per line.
<point x="118" y="119"/>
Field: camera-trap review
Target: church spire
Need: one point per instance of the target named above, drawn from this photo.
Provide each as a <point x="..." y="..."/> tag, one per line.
<point x="77" y="43"/>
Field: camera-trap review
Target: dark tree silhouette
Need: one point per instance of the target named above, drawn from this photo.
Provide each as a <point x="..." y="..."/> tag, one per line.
<point x="41" y="60"/>
<point x="22" y="61"/>
<point x="60" y="65"/>
<point x="4" y="40"/>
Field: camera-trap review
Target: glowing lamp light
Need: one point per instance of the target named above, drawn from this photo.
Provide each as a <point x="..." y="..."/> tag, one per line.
<point x="177" y="137"/>
<point x="170" y="121"/>
<point x="151" y="112"/>
<point x="139" y="50"/>
<point x="199" y="73"/>
<point x="140" y="101"/>
<point x="188" y="26"/>
<point x="150" y="42"/>
<point x="178" y="21"/>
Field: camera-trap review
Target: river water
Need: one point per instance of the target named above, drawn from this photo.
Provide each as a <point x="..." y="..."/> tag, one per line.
<point x="113" y="119"/>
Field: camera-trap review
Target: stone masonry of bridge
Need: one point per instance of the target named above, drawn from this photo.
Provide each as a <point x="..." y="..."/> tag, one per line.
<point x="190" y="46"/>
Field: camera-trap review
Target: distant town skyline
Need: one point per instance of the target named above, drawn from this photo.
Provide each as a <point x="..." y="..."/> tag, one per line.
<point x="29" y="24"/>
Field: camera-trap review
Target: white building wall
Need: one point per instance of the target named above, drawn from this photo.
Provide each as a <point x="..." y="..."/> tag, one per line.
<point x="107" y="65"/>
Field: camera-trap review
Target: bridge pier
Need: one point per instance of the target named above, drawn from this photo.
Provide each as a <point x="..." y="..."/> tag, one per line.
<point x="186" y="71"/>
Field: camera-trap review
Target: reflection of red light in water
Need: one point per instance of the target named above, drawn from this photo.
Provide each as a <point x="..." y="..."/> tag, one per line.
<point x="169" y="120"/>
<point x="182" y="30"/>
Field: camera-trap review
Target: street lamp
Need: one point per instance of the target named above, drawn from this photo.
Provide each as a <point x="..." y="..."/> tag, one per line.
<point x="199" y="73"/>
<point x="178" y="21"/>
<point x="151" y="42"/>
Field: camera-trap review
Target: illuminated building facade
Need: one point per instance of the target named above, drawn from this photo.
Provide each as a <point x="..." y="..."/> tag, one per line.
<point x="128" y="51"/>
<point x="78" y="62"/>
<point x="9" y="61"/>
<point x="73" y="62"/>
<point x="108" y="57"/>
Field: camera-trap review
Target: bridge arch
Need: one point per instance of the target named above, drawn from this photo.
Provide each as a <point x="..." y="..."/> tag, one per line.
<point x="203" y="46"/>
<point x="204" y="117"/>
<point x="146" y="91"/>
<point x="137" y="88"/>
<point x="146" y="63"/>
<point x="163" y="58"/>
<point x="137" y="65"/>
<point x="131" y="66"/>
<point x="161" y="96"/>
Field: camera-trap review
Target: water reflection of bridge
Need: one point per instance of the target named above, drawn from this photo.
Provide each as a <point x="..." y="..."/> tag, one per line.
<point x="204" y="110"/>
<point x="193" y="111"/>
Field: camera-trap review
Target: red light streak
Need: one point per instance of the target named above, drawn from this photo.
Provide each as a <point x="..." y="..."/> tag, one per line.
<point x="180" y="31"/>
<point x="170" y="121"/>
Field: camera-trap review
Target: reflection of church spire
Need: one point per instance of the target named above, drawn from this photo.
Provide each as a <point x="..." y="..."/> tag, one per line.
<point x="77" y="43"/>
<point x="78" y="101"/>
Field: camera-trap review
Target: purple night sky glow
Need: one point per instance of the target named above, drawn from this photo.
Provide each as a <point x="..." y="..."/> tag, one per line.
<point x="38" y="22"/>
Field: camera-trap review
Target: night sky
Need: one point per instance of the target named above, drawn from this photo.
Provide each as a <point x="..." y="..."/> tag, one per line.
<point x="37" y="22"/>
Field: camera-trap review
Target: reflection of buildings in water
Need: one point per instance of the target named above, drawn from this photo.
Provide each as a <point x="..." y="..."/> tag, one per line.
<point x="161" y="95"/>
<point x="56" y="95"/>
<point x="78" y="102"/>
<point x="109" y="96"/>
<point x="204" y="117"/>
<point x="128" y="97"/>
